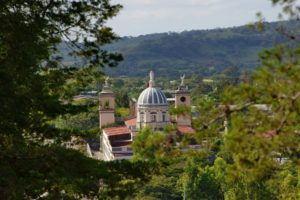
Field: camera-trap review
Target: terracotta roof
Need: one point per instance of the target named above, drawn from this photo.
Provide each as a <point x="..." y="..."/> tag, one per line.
<point x="185" y="129"/>
<point x="130" y="122"/>
<point x="116" y="131"/>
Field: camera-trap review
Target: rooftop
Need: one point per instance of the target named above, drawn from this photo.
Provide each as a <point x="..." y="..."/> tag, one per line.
<point x="116" y="131"/>
<point x="130" y="122"/>
<point x="185" y="129"/>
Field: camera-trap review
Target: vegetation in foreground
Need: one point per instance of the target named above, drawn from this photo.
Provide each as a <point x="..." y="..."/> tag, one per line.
<point x="258" y="158"/>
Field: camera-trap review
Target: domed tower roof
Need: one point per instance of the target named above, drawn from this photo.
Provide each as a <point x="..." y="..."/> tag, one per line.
<point x="152" y="95"/>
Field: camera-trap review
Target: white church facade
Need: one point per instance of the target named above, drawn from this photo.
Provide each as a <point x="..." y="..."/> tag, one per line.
<point x="152" y="110"/>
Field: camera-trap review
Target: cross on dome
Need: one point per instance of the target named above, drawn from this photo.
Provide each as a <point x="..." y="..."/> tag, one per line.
<point x="152" y="96"/>
<point x="151" y="81"/>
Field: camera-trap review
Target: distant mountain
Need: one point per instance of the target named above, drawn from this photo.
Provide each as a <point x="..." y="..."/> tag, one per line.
<point x="198" y="51"/>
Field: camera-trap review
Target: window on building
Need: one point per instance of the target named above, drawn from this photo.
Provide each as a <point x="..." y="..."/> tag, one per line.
<point x="106" y="104"/>
<point x="164" y="117"/>
<point x="142" y="117"/>
<point x="153" y="117"/>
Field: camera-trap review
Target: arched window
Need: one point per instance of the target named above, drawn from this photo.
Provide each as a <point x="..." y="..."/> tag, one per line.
<point x="106" y="104"/>
<point x="142" y="117"/>
<point x="153" y="116"/>
<point x="164" y="117"/>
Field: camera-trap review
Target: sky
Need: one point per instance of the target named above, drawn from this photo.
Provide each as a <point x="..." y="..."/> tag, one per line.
<point x="140" y="17"/>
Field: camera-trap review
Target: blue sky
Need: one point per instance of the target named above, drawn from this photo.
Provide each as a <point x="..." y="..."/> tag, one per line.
<point x="139" y="17"/>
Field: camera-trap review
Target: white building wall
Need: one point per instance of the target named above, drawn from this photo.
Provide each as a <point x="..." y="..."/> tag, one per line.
<point x="108" y="150"/>
<point x="147" y="110"/>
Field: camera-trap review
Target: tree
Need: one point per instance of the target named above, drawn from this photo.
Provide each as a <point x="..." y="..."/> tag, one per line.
<point x="162" y="185"/>
<point x="56" y="173"/>
<point x="32" y="79"/>
<point x="147" y="144"/>
<point x="260" y="136"/>
<point x="35" y="88"/>
<point x="261" y="146"/>
<point x="122" y="98"/>
<point x="84" y="123"/>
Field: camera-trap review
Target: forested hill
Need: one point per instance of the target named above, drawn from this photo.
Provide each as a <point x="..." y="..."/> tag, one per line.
<point x="198" y="51"/>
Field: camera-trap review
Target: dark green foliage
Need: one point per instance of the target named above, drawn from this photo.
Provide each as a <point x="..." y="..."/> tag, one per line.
<point x="180" y="110"/>
<point x="31" y="80"/>
<point x="36" y="171"/>
<point x="36" y="87"/>
<point x="147" y="145"/>
<point x="201" y="183"/>
<point x="163" y="185"/>
<point x="261" y="143"/>
<point x="82" y="122"/>
<point x="122" y="98"/>
<point x="259" y="157"/>
<point x="126" y="178"/>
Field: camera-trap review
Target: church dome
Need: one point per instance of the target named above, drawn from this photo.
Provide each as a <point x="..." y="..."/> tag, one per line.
<point x="152" y="96"/>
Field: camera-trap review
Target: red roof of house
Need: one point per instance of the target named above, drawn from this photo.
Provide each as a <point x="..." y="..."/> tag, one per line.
<point x="116" y="131"/>
<point x="185" y="129"/>
<point x="130" y="122"/>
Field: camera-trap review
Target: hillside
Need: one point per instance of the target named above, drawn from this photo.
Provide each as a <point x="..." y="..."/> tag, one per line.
<point x="199" y="51"/>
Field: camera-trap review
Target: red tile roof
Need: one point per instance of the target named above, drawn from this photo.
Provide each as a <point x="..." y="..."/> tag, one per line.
<point x="185" y="129"/>
<point x="130" y="122"/>
<point x="116" y="131"/>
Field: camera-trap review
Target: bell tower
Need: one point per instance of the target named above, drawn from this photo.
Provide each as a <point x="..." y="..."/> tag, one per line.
<point x="106" y="106"/>
<point x="183" y="99"/>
